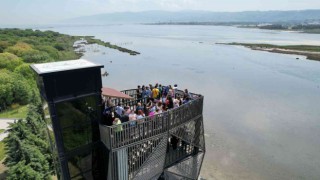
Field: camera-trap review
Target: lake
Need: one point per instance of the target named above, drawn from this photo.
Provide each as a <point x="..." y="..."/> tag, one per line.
<point x="261" y="111"/>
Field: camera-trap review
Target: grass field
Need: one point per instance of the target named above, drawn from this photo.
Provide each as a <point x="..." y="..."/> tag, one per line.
<point x="310" y="51"/>
<point x="18" y="112"/>
<point x="2" y="152"/>
<point x="312" y="31"/>
<point x="309" y="48"/>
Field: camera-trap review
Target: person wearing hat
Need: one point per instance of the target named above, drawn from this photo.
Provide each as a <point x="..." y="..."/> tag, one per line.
<point x="175" y="87"/>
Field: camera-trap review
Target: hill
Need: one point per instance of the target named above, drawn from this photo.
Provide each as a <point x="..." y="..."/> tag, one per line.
<point x="199" y="16"/>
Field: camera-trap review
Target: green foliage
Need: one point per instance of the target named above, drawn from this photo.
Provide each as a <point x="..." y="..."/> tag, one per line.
<point x="304" y="50"/>
<point x="27" y="150"/>
<point x="19" y="49"/>
<point x="2" y="152"/>
<point x="3" y="45"/>
<point x="60" y="47"/>
<point x="25" y="71"/>
<point x="35" y="56"/>
<point x="22" y="90"/>
<point x="14" y="147"/>
<point x="29" y="46"/>
<point x="15" y="112"/>
<point x="6" y="88"/>
<point x="23" y="171"/>
<point x="65" y="55"/>
<point x="34" y="157"/>
<point x="28" y="54"/>
<point x="38" y="46"/>
<point x="37" y="103"/>
<point x="27" y="146"/>
<point x="9" y="61"/>
<point x="13" y="88"/>
<point x="289" y="47"/>
<point x="51" y="51"/>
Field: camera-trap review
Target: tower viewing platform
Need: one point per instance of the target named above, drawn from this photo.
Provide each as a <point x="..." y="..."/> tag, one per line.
<point x="85" y="144"/>
<point x="169" y="145"/>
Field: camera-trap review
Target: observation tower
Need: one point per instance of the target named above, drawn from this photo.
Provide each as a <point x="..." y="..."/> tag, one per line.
<point x="168" y="145"/>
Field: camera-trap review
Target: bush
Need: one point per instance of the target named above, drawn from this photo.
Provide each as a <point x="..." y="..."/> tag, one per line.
<point x="60" y="47"/>
<point x="6" y="88"/>
<point x="4" y="45"/>
<point x="22" y="91"/>
<point x="35" y="56"/>
<point x="9" y="61"/>
<point x="13" y="88"/>
<point x="19" y="49"/>
<point x="25" y="71"/>
<point x="52" y="52"/>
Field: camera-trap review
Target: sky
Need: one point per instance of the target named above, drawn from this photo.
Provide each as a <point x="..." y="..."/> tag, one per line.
<point x="51" y="11"/>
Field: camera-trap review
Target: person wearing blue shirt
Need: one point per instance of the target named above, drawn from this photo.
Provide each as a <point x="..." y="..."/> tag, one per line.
<point x="148" y="92"/>
<point x="119" y="110"/>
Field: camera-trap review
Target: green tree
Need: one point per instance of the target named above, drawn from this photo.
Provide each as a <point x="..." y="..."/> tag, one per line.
<point x="4" y="45"/>
<point x="22" y="171"/>
<point x="6" y="88"/>
<point x="13" y="88"/>
<point x="35" y="56"/>
<point x="53" y="52"/>
<point x="25" y="71"/>
<point x="27" y="142"/>
<point x="9" y="61"/>
<point x="35" y="158"/>
<point x="19" y="49"/>
<point x="18" y="132"/>
<point x="22" y="90"/>
<point x="60" y="46"/>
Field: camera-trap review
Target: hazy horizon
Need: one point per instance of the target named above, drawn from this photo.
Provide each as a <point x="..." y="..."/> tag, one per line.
<point x="52" y="11"/>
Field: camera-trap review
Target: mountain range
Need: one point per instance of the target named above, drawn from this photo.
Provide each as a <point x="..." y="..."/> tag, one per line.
<point x="199" y="16"/>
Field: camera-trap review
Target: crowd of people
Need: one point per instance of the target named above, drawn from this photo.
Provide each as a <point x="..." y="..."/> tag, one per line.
<point x="151" y="100"/>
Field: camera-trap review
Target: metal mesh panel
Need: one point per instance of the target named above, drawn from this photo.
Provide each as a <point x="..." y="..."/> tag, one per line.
<point x="143" y="160"/>
<point x="188" y="168"/>
<point x="154" y="165"/>
<point x="172" y="176"/>
<point x="190" y="132"/>
<point x="105" y="136"/>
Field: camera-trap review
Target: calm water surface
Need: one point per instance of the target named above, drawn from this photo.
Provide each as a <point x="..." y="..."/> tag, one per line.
<point x="262" y="110"/>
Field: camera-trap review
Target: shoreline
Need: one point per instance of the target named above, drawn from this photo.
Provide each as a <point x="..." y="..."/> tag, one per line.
<point x="306" y="31"/>
<point x="310" y="52"/>
<point x="92" y="40"/>
<point x="240" y="25"/>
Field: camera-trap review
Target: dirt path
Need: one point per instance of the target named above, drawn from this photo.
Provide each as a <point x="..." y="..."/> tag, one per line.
<point x="3" y="169"/>
<point x="4" y="123"/>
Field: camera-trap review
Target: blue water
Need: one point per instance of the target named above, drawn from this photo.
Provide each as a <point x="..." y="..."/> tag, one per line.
<point x="262" y="110"/>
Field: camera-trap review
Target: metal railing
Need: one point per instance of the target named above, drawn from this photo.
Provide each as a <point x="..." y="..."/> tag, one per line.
<point x="133" y="131"/>
<point x="133" y="93"/>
